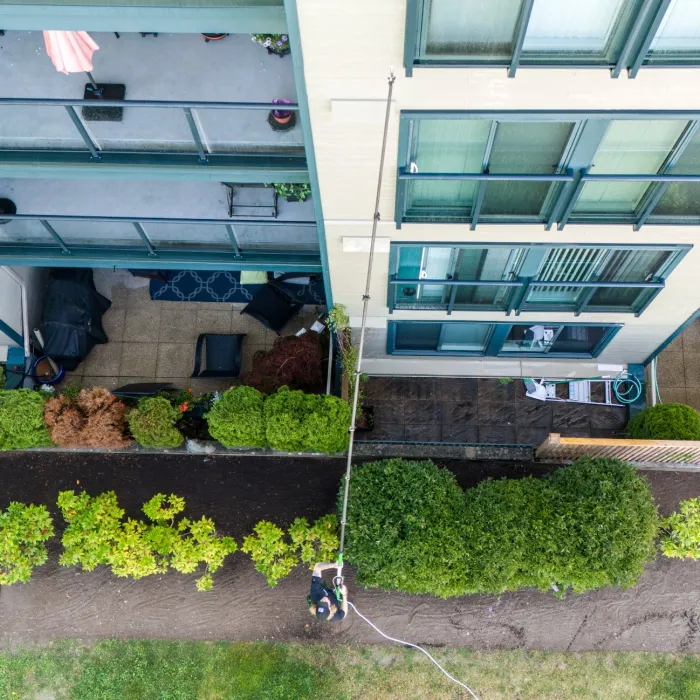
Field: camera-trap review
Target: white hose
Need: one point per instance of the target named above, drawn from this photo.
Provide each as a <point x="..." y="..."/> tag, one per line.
<point x="415" y="646"/>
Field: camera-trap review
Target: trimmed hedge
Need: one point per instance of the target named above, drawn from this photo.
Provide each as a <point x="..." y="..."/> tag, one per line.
<point x="237" y="418"/>
<point x="411" y="528"/>
<point x="666" y="421"/>
<point x="153" y="423"/>
<point x="22" y="420"/>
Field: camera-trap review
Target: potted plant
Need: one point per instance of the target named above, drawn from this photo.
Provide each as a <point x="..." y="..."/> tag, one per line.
<point x="213" y="37"/>
<point x="7" y="206"/>
<point x="293" y="191"/>
<point x="274" y="43"/>
<point x="281" y="119"/>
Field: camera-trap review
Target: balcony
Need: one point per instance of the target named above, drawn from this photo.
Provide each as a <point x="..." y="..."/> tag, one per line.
<point x="187" y="104"/>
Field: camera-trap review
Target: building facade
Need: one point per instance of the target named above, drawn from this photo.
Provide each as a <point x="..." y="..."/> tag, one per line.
<point x="541" y="196"/>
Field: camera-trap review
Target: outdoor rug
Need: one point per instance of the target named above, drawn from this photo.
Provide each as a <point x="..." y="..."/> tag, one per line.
<point x="190" y="285"/>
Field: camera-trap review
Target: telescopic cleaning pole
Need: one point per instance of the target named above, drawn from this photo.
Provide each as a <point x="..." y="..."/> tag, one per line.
<point x="363" y="327"/>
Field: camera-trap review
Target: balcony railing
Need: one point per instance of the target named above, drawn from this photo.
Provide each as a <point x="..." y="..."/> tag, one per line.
<point x="202" y="129"/>
<point x="159" y="242"/>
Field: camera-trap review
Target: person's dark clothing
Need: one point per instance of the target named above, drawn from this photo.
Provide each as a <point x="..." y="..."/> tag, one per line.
<point x="319" y="591"/>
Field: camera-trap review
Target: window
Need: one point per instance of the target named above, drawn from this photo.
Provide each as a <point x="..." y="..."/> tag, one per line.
<point x="496" y="277"/>
<point x="474" y="339"/>
<point x="617" y="34"/>
<point x="541" y="168"/>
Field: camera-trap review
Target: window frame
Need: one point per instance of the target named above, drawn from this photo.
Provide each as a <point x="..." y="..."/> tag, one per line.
<point x="635" y="52"/>
<point x="588" y="132"/>
<point x="496" y="338"/>
<point x="534" y="254"/>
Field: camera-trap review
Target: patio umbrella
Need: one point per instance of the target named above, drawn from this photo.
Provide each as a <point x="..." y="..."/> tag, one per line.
<point x="71" y="52"/>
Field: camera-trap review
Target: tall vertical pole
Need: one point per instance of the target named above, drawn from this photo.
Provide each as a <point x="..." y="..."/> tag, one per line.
<point x="363" y="328"/>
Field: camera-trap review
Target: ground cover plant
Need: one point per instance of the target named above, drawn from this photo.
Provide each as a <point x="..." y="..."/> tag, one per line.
<point x="237" y="418"/>
<point x="680" y="538"/>
<point x="152" y="423"/>
<point x="252" y="671"/>
<point x="666" y="421"/>
<point x="93" y="418"/>
<point x="97" y="534"/>
<point x="24" y="530"/>
<point x="22" y="420"/>
<point x="412" y="528"/>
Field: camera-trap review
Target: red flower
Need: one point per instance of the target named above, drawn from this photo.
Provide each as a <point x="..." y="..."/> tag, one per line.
<point x="183" y="407"/>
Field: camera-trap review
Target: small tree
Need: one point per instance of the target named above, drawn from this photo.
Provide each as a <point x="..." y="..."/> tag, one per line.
<point x="23" y="531"/>
<point x="273" y="556"/>
<point x="152" y="423"/>
<point x="666" y="421"/>
<point x="680" y="532"/>
<point x="237" y="419"/>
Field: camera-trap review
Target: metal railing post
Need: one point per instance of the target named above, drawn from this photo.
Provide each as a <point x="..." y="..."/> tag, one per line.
<point x="146" y="240"/>
<point x="64" y="248"/>
<point x="94" y="153"/>
<point x="234" y="241"/>
<point x="195" y="135"/>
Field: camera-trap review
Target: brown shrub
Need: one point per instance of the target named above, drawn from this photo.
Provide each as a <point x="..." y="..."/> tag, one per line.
<point x="95" y="419"/>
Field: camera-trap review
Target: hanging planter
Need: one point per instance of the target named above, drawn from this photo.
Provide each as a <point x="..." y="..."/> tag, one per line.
<point x="281" y="119"/>
<point x="277" y="44"/>
<point x="293" y="191"/>
<point x="213" y="37"/>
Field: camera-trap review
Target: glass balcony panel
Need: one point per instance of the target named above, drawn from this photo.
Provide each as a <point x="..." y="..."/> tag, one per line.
<point x="578" y="340"/>
<point x="191" y="235"/>
<point x="683" y="199"/>
<point x="465" y="337"/>
<point x="24" y="231"/>
<point x="106" y="233"/>
<point x="34" y="127"/>
<point x="564" y="296"/>
<point x="678" y="35"/>
<point x="417" y="336"/>
<point x="630" y="298"/>
<point x="486" y="297"/>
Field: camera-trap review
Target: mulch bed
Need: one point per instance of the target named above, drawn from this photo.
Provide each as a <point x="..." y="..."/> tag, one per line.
<point x="661" y="613"/>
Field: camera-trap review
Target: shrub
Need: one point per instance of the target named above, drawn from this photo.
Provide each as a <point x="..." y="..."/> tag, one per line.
<point x="22" y="420"/>
<point x="404" y="527"/>
<point x="297" y="422"/>
<point x="95" y="418"/>
<point x="666" y="421"/>
<point x="411" y="528"/>
<point x="318" y="542"/>
<point x="293" y="361"/>
<point x="680" y="536"/>
<point x="273" y="556"/>
<point x="97" y="534"/>
<point x="23" y="531"/>
<point x="152" y="423"/>
<point x="237" y="418"/>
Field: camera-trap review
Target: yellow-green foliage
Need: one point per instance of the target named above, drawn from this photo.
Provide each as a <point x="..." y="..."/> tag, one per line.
<point x="680" y="536"/>
<point x="22" y="420"/>
<point x="24" y="530"/>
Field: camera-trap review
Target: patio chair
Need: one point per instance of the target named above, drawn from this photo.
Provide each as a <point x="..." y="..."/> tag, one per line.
<point x="222" y="355"/>
<point x="276" y="304"/>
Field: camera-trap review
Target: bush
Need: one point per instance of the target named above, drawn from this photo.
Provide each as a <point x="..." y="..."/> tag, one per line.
<point x="237" y="418"/>
<point x="97" y="534"/>
<point x="22" y="420"/>
<point x="411" y="528"/>
<point x="680" y="536"/>
<point x="95" y="418"/>
<point x="666" y="421"/>
<point x="23" y="531"/>
<point x="297" y="422"/>
<point x="152" y="423"/>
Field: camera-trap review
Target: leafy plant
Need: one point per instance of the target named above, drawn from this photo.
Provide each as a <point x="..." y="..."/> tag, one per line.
<point x="338" y="322"/>
<point x="94" y="418"/>
<point x="237" y="418"/>
<point x="152" y="423"/>
<point x="97" y="534"/>
<point x="22" y="420"/>
<point x="293" y="361"/>
<point x="273" y="556"/>
<point x="318" y="542"/>
<point x="680" y="532"/>
<point x="666" y="421"/>
<point x="275" y="42"/>
<point x="296" y="190"/>
<point x="411" y="528"/>
<point x="505" y="381"/>
<point x="23" y="531"/>
<point x="296" y="421"/>
<point x="2" y="377"/>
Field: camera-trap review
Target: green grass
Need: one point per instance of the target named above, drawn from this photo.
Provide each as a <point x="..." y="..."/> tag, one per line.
<point x="155" y="670"/>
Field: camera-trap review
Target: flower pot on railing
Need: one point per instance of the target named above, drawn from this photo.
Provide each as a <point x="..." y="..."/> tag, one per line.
<point x="281" y="119"/>
<point x="293" y="191"/>
<point x="7" y="206"/>
<point x="213" y="37"/>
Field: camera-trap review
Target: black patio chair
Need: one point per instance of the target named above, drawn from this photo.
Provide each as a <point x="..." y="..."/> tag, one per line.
<point x="276" y="304"/>
<point x="222" y="355"/>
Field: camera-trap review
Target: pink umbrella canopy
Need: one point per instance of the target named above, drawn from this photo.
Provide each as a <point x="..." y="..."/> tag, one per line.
<point x="70" y="52"/>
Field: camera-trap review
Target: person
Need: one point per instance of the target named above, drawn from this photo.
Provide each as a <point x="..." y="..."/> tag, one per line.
<point x="323" y="602"/>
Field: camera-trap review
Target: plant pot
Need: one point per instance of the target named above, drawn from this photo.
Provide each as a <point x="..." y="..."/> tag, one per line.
<point x="365" y="422"/>
<point x="278" y="52"/>
<point x="294" y="198"/>
<point x="213" y="37"/>
<point x="43" y="372"/>
<point x="7" y="206"/>
<point x="281" y="123"/>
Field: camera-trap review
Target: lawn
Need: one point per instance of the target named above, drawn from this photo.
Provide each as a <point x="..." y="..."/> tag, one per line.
<point x="159" y="670"/>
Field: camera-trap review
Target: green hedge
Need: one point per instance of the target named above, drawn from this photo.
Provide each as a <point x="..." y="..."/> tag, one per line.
<point x="298" y="422"/>
<point x="152" y="423"/>
<point x="22" y="420"/>
<point x="666" y="421"/>
<point x="411" y="528"/>
<point x="237" y="418"/>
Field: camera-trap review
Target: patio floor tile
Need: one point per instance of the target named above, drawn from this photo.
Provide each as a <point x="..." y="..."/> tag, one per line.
<point x="113" y="324"/>
<point x="177" y="323"/>
<point x="141" y="324"/>
<point x="423" y="432"/>
<point x="175" y="359"/>
<point x="139" y="360"/>
<point x="213" y="320"/>
<point x="103" y="361"/>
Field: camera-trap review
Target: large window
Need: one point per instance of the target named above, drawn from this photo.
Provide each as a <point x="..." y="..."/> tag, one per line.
<point x="618" y="34"/>
<point x="474" y="339"/>
<point x="549" y="168"/>
<point x="495" y="277"/>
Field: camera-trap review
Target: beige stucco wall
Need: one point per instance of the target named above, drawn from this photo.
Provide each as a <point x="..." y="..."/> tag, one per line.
<point x="348" y="49"/>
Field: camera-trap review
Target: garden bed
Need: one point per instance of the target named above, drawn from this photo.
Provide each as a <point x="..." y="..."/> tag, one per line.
<point x="659" y="614"/>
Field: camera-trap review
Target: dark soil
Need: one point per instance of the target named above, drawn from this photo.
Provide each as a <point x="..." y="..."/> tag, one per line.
<point x="662" y="613"/>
